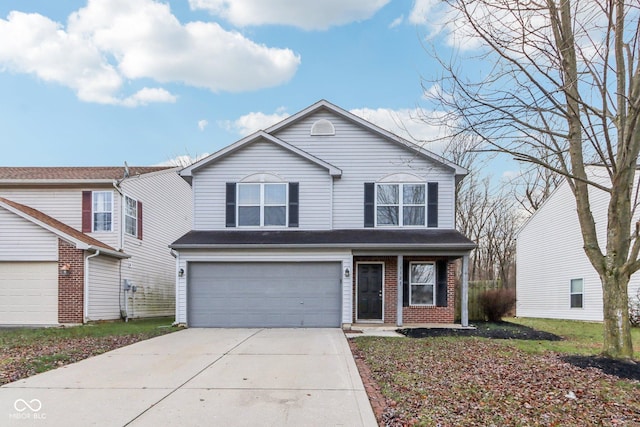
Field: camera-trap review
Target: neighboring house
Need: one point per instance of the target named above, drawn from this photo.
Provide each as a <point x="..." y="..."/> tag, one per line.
<point x="322" y="220"/>
<point x="89" y="243"/>
<point x="554" y="278"/>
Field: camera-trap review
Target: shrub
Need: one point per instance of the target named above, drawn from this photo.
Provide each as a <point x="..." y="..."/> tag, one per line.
<point x="496" y="303"/>
<point x="634" y="310"/>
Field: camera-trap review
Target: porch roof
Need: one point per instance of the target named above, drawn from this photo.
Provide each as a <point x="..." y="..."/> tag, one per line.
<point x="369" y="238"/>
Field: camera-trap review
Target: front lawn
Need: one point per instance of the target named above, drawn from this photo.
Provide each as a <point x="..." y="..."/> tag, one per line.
<point x="452" y="381"/>
<point x="28" y="351"/>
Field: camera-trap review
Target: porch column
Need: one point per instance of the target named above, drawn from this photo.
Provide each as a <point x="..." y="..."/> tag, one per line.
<point x="464" y="297"/>
<point x="399" y="292"/>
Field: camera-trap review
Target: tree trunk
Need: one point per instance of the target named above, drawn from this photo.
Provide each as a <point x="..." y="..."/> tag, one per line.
<point x="617" y="330"/>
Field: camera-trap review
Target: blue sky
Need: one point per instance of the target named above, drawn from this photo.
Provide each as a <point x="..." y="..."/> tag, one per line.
<point x="101" y="82"/>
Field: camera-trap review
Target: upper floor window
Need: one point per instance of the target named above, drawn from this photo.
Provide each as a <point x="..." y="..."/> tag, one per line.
<point x="262" y="204"/>
<point x="401" y="204"/>
<point x="102" y="211"/>
<point x="131" y="216"/>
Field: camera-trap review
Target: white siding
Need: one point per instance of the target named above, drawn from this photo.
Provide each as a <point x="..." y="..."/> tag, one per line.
<point x="550" y="253"/>
<point x="166" y="209"/>
<point x="28" y="293"/>
<point x="65" y="205"/>
<point x="263" y="157"/>
<point x="187" y="256"/>
<point x="22" y="240"/>
<point x="104" y="294"/>
<point x="366" y="157"/>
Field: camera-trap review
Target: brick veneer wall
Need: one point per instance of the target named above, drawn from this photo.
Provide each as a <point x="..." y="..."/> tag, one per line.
<point x="71" y="287"/>
<point x="410" y="314"/>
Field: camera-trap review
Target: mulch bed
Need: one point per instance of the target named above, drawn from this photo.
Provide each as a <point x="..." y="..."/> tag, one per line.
<point x="500" y="330"/>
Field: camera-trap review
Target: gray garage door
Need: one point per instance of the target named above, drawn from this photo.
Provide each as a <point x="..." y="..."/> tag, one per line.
<point x="275" y="294"/>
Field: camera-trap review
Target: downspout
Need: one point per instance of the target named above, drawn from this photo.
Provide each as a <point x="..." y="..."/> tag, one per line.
<point x="86" y="284"/>
<point x="176" y="255"/>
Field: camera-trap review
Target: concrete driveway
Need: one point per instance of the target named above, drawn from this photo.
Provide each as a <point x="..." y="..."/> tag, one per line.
<point x="201" y="377"/>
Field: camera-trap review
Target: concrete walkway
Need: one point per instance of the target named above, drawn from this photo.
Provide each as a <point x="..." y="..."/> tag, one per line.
<point x="201" y="377"/>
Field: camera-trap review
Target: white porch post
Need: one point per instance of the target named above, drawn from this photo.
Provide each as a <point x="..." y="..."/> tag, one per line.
<point x="400" y="289"/>
<point x="464" y="297"/>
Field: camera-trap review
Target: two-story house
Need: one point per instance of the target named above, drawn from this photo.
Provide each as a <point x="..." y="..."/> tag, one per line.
<point x="89" y="243"/>
<point x="324" y="220"/>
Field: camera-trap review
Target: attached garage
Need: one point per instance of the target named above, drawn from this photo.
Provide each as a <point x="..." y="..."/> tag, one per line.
<point x="28" y="293"/>
<point x="264" y="294"/>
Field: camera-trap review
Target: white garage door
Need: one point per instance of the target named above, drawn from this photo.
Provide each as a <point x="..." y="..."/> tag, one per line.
<point x="306" y="294"/>
<point x="28" y="293"/>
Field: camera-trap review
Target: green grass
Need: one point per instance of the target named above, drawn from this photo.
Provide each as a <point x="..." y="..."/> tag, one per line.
<point x="579" y="337"/>
<point x="27" y="336"/>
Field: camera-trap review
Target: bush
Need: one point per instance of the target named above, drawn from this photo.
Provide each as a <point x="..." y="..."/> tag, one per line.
<point x="496" y="303"/>
<point x="634" y="310"/>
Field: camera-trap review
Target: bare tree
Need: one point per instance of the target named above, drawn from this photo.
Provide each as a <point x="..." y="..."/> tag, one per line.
<point x="566" y="80"/>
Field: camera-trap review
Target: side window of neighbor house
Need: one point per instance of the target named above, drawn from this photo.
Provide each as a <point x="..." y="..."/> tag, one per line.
<point x="577" y="293"/>
<point x="102" y="211"/>
<point x="131" y="216"/>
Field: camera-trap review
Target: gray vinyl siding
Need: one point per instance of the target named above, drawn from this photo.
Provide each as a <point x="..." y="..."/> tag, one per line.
<point x="166" y="210"/>
<point x="65" y="205"/>
<point x="103" y="291"/>
<point x="262" y="157"/>
<point x="550" y="253"/>
<point x="366" y="157"/>
<point x="22" y="240"/>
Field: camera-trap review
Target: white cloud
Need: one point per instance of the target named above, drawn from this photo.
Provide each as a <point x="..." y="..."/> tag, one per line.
<point x="183" y="160"/>
<point x="202" y="124"/>
<point x="111" y="42"/>
<point x="396" y="22"/>
<point x="305" y="14"/>
<point x="255" y="121"/>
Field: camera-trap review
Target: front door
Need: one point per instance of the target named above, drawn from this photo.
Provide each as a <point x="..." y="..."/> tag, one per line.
<point x="369" y="291"/>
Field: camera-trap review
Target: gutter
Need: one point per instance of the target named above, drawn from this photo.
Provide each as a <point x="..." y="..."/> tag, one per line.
<point x="86" y="284"/>
<point x="453" y="246"/>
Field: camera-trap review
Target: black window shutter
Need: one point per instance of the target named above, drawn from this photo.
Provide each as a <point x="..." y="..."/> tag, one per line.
<point x="140" y="220"/>
<point x="369" y="204"/>
<point x="231" y="204"/>
<point x="441" y="283"/>
<point x="294" y="204"/>
<point x="432" y="204"/>
<point x="405" y="283"/>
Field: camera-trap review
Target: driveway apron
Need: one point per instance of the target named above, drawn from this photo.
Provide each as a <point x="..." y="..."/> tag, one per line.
<point x="201" y="377"/>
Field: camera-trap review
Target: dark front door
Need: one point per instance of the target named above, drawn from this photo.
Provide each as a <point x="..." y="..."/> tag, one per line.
<point x="369" y="291"/>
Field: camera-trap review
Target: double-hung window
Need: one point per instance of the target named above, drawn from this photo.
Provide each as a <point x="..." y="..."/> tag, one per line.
<point x="400" y="204"/>
<point x="102" y="211"/>
<point x="262" y="204"/>
<point x="131" y="216"/>
<point x="577" y="293"/>
<point x="422" y="283"/>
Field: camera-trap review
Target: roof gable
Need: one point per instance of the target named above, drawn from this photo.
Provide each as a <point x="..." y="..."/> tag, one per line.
<point x="187" y="172"/>
<point x="408" y="145"/>
<point x="79" y="239"/>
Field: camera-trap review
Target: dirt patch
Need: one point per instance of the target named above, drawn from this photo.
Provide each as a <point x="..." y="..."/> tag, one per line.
<point x="497" y="330"/>
<point x="619" y="368"/>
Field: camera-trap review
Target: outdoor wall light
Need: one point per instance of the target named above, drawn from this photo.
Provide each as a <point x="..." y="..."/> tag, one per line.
<point x="181" y="272"/>
<point x="347" y="272"/>
<point x="65" y="270"/>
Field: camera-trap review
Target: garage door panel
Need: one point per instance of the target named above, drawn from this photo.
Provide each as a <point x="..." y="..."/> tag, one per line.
<point x="28" y="293"/>
<point x="264" y="294"/>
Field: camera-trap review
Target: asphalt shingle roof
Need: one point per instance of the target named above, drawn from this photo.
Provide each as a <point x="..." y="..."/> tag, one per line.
<point x="74" y="173"/>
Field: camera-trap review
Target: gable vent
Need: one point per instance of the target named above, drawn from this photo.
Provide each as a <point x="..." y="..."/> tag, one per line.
<point x="322" y="127"/>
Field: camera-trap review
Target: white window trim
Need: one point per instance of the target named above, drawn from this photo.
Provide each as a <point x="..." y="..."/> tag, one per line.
<point x="262" y="205"/>
<point x="93" y="212"/>
<point x="401" y="205"/>
<point x="411" y="283"/>
<point x="135" y="234"/>
<point x="576" y="293"/>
